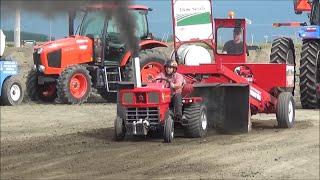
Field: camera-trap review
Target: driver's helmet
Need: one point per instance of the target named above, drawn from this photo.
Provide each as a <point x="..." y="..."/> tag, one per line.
<point x="171" y="63"/>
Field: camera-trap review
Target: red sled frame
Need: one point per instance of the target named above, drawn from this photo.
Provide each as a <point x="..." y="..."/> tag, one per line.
<point x="267" y="77"/>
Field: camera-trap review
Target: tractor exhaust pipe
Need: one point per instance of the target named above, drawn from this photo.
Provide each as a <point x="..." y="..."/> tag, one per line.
<point x="127" y="30"/>
<point x="137" y="74"/>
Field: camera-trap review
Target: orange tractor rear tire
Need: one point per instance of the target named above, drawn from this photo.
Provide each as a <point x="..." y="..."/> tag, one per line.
<point x="151" y="63"/>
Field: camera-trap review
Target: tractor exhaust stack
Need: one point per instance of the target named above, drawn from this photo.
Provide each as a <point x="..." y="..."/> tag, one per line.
<point x="137" y="74"/>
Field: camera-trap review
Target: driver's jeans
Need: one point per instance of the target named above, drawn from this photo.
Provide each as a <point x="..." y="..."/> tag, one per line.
<point x="176" y="100"/>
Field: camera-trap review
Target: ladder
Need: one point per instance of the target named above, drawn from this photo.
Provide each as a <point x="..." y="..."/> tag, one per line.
<point x="112" y="77"/>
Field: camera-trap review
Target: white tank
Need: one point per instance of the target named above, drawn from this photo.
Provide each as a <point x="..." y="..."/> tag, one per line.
<point x="2" y="42"/>
<point x="194" y="55"/>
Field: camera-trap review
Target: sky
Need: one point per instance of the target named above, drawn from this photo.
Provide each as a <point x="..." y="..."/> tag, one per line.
<point x="262" y="13"/>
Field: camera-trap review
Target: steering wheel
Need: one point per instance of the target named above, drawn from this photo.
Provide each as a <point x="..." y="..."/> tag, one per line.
<point x="163" y="79"/>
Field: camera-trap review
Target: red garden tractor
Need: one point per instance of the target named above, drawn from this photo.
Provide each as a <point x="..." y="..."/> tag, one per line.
<point x="221" y="91"/>
<point x="148" y="109"/>
<point x="96" y="57"/>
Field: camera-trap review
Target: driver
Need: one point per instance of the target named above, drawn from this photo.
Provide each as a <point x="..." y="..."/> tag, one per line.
<point x="176" y="83"/>
<point x="234" y="46"/>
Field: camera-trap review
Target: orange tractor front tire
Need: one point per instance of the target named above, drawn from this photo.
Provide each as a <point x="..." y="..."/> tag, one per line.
<point x="74" y="85"/>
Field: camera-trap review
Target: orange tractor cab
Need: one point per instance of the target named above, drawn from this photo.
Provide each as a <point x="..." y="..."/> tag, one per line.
<point x="221" y="91"/>
<point x="93" y="58"/>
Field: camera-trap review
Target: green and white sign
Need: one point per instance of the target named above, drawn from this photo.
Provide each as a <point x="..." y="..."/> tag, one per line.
<point x="192" y="20"/>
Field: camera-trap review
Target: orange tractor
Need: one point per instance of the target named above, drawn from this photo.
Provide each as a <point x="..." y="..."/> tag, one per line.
<point x="94" y="58"/>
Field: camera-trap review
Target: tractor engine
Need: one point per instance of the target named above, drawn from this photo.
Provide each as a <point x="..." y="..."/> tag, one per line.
<point x="144" y="109"/>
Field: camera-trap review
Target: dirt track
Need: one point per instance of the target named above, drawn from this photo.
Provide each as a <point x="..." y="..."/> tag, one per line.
<point x="64" y="142"/>
<point x="75" y="142"/>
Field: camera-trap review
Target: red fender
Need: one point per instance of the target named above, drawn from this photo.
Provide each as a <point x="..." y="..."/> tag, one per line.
<point x="149" y="44"/>
<point x="145" y="44"/>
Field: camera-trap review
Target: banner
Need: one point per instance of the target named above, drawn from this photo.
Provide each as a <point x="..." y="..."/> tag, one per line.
<point x="192" y="20"/>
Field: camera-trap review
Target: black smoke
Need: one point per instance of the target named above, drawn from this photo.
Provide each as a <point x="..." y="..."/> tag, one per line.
<point x="54" y="8"/>
<point x="127" y="27"/>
